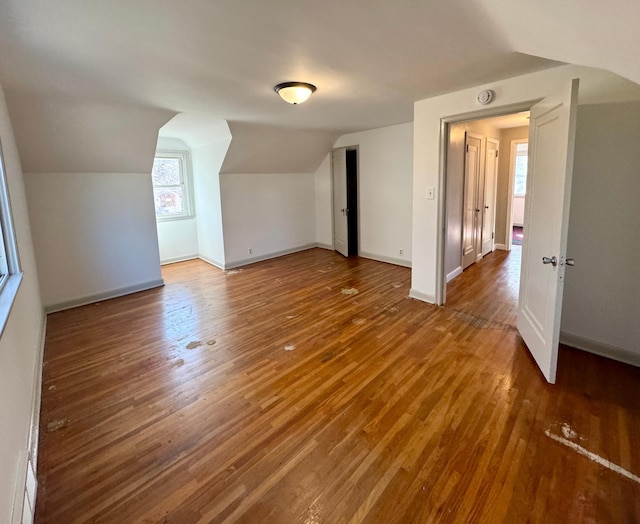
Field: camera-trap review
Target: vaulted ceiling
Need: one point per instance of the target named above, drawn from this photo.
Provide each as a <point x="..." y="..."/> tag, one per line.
<point x="370" y="59"/>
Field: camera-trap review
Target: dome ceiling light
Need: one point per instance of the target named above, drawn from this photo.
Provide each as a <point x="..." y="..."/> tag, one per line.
<point x="294" y="92"/>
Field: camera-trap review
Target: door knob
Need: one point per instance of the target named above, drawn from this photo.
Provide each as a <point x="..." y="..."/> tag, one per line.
<point x="553" y="261"/>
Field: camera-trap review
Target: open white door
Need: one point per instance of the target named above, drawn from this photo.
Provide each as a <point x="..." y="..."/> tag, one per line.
<point x="340" y="223"/>
<point x="551" y="143"/>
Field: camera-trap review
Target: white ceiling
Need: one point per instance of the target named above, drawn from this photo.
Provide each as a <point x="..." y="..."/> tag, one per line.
<point x="370" y="59"/>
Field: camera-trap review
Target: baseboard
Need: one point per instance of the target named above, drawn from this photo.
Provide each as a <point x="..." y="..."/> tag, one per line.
<point x="34" y="435"/>
<point x="106" y="295"/>
<point x="457" y="271"/>
<point x="173" y="260"/>
<point x="600" y="348"/>
<point x="268" y="256"/>
<point x="502" y="247"/>
<point x="383" y="258"/>
<point x="24" y="503"/>
<point x="324" y="246"/>
<point x="208" y="260"/>
<point x="423" y="297"/>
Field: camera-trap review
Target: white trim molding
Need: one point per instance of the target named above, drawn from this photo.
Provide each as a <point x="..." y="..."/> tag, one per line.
<point x="600" y="348"/>
<point x="457" y="271"/>
<point x="423" y="297"/>
<point x="208" y="260"/>
<point x="383" y="258"/>
<point x="268" y="256"/>
<point x="182" y="258"/>
<point x="106" y="295"/>
<point x="24" y="503"/>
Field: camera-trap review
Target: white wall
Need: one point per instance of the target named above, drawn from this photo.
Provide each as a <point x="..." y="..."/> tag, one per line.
<point x="177" y="239"/>
<point x="21" y="340"/>
<point x="602" y="291"/>
<point x="263" y="148"/>
<point x="323" y="201"/>
<point x="269" y="213"/>
<point x="384" y="191"/>
<point x="73" y="135"/>
<point x="596" y="86"/>
<point x="94" y="235"/>
<point x="207" y="161"/>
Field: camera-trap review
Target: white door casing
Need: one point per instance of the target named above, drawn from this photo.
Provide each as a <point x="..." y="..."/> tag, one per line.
<point x="490" y="188"/>
<point x="551" y="145"/>
<point x="340" y="223"/>
<point x="470" y="214"/>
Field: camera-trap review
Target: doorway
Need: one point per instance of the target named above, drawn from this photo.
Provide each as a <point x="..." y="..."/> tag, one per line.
<point x="345" y="200"/>
<point x="478" y="199"/>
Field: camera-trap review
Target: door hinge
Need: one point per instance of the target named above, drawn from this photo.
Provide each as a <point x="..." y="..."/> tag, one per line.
<point x="467" y="148"/>
<point x="493" y="235"/>
<point x="496" y="153"/>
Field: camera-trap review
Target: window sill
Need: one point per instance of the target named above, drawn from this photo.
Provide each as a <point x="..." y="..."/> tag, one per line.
<point x="171" y="219"/>
<point x="7" y="298"/>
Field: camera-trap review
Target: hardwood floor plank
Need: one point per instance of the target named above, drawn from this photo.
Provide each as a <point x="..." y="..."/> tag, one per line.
<point x="310" y="388"/>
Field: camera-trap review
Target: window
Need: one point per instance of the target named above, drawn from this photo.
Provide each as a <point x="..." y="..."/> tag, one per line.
<point x="172" y="185"/>
<point x="520" y="168"/>
<point x="10" y="274"/>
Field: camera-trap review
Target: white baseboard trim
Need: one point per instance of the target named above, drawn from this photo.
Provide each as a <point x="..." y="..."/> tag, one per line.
<point x="37" y="395"/>
<point x="24" y="503"/>
<point x="383" y="258"/>
<point x="208" y="260"/>
<point x="457" y="271"/>
<point x="502" y="247"/>
<point x="324" y="246"/>
<point x="600" y="348"/>
<point x="173" y="260"/>
<point x="268" y="256"/>
<point x="423" y="297"/>
<point x="106" y="295"/>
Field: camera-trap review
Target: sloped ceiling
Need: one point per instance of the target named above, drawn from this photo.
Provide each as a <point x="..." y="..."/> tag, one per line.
<point x="369" y="59"/>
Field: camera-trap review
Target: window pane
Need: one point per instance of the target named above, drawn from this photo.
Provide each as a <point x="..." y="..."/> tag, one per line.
<point x="166" y="171"/>
<point x="521" y="175"/>
<point x="168" y="201"/>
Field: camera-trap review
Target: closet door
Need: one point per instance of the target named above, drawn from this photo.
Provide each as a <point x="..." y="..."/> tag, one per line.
<point x="471" y="211"/>
<point x="490" y="185"/>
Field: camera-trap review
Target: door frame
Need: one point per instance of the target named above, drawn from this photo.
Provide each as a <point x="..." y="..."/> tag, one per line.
<point x="445" y="122"/>
<point x="355" y="148"/>
<point x="512" y="177"/>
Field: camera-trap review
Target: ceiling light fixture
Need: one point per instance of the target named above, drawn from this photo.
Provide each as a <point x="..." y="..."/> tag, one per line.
<point x="294" y="92"/>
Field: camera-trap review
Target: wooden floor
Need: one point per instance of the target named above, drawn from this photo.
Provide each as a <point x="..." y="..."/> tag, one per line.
<point x="311" y="389"/>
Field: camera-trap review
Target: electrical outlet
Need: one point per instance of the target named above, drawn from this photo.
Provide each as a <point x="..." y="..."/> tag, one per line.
<point x="251" y="251"/>
<point x="401" y="252"/>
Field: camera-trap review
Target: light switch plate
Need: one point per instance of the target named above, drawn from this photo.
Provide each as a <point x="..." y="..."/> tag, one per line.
<point x="431" y="193"/>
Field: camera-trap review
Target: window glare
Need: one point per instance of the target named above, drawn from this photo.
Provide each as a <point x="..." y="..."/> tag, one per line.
<point x="520" y="167"/>
<point x="172" y="185"/>
<point x="166" y="171"/>
<point x="168" y="200"/>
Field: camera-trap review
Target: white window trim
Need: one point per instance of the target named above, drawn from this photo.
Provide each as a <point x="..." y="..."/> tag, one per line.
<point x="189" y="210"/>
<point x="10" y="260"/>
